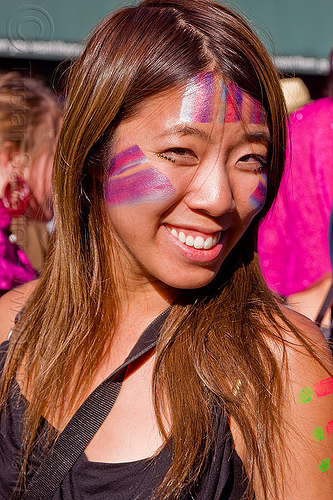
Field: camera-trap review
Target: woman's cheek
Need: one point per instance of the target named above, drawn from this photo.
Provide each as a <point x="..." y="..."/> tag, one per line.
<point x="134" y="180"/>
<point x="258" y="197"/>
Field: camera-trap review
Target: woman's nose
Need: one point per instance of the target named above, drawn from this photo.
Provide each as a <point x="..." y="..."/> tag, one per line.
<point x="210" y="191"/>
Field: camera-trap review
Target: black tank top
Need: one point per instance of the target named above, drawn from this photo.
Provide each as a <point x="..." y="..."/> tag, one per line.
<point x="223" y="477"/>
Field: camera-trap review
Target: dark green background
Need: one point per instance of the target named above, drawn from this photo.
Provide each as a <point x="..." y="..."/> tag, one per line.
<point x="298" y="33"/>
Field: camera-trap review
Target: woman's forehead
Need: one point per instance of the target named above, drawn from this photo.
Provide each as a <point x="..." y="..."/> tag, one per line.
<point x="205" y="98"/>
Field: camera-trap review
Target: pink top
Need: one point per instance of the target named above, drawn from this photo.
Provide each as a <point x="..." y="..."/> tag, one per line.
<point x="293" y="238"/>
<point x="15" y="267"/>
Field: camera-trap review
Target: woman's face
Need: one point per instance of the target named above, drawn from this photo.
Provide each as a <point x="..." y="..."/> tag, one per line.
<point x="186" y="178"/>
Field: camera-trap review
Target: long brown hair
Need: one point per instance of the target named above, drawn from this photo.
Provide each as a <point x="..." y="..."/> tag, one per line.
<point x="214" y="350"/>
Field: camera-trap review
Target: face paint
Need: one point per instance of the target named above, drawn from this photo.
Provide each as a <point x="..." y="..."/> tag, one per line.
<point x="258" y="197"/>
<point x="324" y="387"/>
<point x="199" y="98"/>
<point x="134" y="180"/>
<point x="324" y="465"/>
<point x="305" y="396"/>
<point x="234" y="98"/>
<point x="318" y="434"/>
<point x="329" y="428"/>
<point x="206" y="89"/>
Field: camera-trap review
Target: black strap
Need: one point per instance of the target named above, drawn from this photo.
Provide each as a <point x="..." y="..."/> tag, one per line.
<point x="84" y="424"/>
<point x="325" y="305"/>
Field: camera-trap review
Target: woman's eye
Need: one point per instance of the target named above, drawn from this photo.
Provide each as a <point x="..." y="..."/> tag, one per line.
<point x="179" y="155"/>
<point x="253" y="162"/>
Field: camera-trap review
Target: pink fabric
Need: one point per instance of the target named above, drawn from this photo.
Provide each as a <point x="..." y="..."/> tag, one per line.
<point x="293" y="239"/>
<point x="15" y="267"/>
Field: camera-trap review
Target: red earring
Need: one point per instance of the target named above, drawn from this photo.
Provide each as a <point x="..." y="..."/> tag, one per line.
<point x="16" y="197"/>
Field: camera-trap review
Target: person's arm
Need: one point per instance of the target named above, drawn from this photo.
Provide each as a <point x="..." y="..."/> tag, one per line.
<point x="307" y="469"/>
<point x="307" y="416"/>
<point x="10" y="304"/>
<point x="309" y="301"/>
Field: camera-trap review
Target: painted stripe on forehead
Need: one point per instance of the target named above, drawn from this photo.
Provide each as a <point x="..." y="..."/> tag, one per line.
<point x="199" y="98"/>
<point x="234" y="103"/>
<point x="205" y="90"/>
<point x="257" y="112"/>
<point x="134" y="180"/>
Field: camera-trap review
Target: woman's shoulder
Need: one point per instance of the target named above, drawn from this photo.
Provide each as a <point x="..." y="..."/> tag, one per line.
<point x="11" y="304"/>
<point x="307" y="405"/>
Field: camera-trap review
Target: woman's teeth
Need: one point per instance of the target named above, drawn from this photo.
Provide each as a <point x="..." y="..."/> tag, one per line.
<point x="199" y="242"/>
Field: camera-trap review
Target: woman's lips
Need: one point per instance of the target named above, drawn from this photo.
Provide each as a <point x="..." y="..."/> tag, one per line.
<point x="196" y="246"/>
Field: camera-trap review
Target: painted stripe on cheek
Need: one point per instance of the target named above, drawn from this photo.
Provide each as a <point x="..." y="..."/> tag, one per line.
<point x="126" y="159"/>
<point x="133" y="181"/>
<point x="258" y="197"/>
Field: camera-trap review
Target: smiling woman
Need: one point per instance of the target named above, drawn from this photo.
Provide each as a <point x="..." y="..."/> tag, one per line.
<point x="171" y="151"/>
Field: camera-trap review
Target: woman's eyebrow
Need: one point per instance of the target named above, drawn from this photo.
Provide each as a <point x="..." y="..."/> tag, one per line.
<point x="258" y="137"/>
<point x="187" y="130"/>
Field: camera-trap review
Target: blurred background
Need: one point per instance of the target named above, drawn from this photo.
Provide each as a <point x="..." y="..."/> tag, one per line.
<point x="35" y="36"/>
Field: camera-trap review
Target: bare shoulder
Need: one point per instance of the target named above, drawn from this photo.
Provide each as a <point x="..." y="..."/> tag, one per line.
<point x="307" y="406"/>
<point x="306" y="402"/>
<point x="10" y="304"/>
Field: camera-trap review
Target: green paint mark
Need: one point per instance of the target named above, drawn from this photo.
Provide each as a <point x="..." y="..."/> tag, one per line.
<point x="324" y="465"/>
<point x="305" y="396"/>
<point x="318" y="434"/>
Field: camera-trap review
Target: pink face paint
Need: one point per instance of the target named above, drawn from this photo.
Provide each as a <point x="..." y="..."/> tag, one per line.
<point x="258" y="197"/>
<point x="233" y="103"/>
<point x="199" y="98"/>
<point x="257" y="112"/>
<point x="324" y="465"/>
<point x="329" y="428"/>
<point x="134" y="180"/>
<point x="205" y="90"/>
<point x="324" y="387"/>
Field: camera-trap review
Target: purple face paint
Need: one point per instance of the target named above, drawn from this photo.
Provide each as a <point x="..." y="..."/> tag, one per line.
<point x="233" y="104"/>
<point x="258" y="197"/>
<point x="206" y="90"/>
<point x="134" y="180"/>
<point x="199" y="98"/>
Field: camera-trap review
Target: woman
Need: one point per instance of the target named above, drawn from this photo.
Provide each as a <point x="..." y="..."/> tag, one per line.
<point x="295" y="258"/>
<point x="30" y="118"/>
<point x="173" y="133"/>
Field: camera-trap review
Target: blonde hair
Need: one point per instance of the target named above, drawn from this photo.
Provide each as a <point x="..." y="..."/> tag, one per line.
<point x="30" y="113"/>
